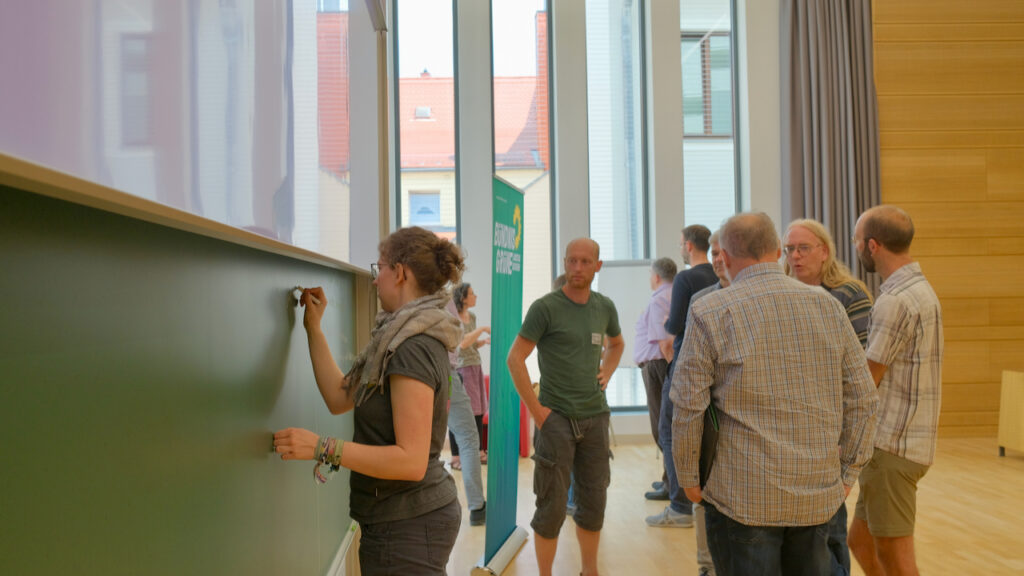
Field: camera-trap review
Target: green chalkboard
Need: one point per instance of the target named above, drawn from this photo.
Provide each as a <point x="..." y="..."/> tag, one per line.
<point x="142" y="372"/>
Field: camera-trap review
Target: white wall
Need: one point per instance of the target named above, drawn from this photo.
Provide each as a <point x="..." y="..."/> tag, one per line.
<point x="475" y="150"/>
<point x="760" y="107"/>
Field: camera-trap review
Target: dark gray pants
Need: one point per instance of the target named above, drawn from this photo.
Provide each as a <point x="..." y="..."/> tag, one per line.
<point x="654" y="372"/>
<point x="418" y="545"/>
<point x="562" y="445"/>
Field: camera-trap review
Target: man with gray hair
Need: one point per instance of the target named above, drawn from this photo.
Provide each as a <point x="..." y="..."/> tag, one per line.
<point x="796" y="409"/>
<point x="648" y="352"/>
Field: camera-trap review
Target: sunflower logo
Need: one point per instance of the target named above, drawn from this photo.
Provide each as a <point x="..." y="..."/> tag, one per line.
<point x="517" y="221"/>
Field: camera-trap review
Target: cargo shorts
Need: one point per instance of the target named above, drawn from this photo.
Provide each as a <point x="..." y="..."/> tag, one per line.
<point x="563" y="445"/>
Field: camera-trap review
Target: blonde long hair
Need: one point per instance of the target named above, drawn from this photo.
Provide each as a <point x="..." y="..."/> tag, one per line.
<point x="833" y="272"/>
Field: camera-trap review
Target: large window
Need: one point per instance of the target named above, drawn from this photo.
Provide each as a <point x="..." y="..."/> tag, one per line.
<point x="425" y="114"/>
<point x="522" y="153"/>
<point x="707" y="81"/>
<point x="709" y="144"/>
<point x="615" y="127"/>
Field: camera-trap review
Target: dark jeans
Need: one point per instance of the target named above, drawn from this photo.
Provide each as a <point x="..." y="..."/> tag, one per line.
<point x="418" y="545"/>
<point x="677" y="497"/>
<point x="839" y="552"/>
<point x="741" y="550"/>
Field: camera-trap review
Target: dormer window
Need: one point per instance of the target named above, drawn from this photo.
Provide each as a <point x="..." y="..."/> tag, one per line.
<point x="422" y="113"/>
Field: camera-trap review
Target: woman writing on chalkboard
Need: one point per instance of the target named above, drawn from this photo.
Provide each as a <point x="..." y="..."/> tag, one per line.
<point x="402" y="497"/>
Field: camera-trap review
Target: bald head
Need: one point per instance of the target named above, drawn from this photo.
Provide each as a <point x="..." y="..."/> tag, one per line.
<point x="584" y="243"/>
<point x="888" y="225"/>
<point x="750" y="235"/>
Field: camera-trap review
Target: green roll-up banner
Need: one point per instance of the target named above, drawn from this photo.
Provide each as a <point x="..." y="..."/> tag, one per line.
<point x="503" y="423"/>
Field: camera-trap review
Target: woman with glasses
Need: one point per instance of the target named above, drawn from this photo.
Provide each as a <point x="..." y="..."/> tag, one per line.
<point x="810" y="258"/>
<point x="403" y="498"/>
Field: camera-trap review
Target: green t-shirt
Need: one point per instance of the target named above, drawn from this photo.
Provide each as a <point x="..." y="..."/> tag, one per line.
<point x="569" y="337"/>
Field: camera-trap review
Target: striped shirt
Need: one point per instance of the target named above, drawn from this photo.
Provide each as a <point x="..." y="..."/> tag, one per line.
<point x="906" y="335"/>
<point x="796" y="403"/>
<point x="858" y="307"/>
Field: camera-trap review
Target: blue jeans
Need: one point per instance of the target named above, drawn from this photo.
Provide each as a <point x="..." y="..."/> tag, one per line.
<point x="741" y="550"/>
<point x="677" y="497"/>
<point x="462" y="425"/>
<point x="839" y="552"/>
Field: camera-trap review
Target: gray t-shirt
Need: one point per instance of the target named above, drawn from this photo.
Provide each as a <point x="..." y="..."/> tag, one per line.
<point x="375" y="500"/>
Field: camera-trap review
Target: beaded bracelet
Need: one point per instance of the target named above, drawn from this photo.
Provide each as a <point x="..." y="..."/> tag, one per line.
<point x="328" y="454"/>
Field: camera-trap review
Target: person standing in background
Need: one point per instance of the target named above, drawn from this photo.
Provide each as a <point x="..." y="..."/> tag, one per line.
<point x="904" y="354"/>
<point x="462" y="428"/>
<point x="695" y="245"/>
<point x="647" y="351"/>
<point x="810" y="258"/>
<point x="569" y="328"/>
<point x="470" y="369"/>
<point x="795" y="404"/>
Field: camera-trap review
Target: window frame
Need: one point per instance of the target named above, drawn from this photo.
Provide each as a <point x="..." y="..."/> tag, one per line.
<point x="707" y="109"/>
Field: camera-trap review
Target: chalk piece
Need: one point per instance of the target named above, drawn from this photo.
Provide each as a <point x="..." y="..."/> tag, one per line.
<point x="297" y="293"/>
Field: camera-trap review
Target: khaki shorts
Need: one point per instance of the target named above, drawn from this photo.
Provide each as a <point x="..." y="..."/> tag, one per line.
<point x="888" y="494"/>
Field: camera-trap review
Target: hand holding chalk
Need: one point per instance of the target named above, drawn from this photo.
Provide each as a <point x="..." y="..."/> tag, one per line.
<point x="297" y="293"/>
<point x="315" y="305"/>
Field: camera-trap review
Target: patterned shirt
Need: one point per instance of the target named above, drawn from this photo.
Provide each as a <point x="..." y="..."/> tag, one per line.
<point x="796" y="403"/>
<point x="858" y="307"/>
<point x="906" y="335"/>
<point x="650" y="327"/>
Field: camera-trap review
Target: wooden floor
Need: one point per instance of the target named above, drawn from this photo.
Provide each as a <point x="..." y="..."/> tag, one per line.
<point x="970" y="518"/>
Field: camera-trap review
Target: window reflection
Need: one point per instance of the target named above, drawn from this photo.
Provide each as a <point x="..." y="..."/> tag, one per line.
<point x="235" y="110"/>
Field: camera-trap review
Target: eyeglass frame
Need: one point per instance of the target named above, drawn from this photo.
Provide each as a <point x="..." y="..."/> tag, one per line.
<point x="801" y="249"/>
<point x="374" y="270"/>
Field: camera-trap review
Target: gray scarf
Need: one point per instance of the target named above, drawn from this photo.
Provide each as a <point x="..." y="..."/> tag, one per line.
<point x="424" y="315"/>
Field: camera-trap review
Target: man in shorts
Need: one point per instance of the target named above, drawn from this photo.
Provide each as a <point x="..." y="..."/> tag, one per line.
<point x="904" y="355"/>
<point x="569" y="328"/>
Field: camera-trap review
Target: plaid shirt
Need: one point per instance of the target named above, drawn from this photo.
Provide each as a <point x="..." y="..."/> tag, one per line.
<point x="796" y="403"/>
<point x="905" y="334"/>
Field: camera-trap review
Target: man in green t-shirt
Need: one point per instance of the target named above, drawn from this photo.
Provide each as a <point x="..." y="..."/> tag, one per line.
<point x="569" y="328"/>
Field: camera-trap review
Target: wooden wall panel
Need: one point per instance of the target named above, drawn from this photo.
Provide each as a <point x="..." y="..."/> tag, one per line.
<point x="951" y="12"/>
<point x="947" y="67"/>
<point x="962" y="32"/>
<point x="924" y="112"/>
<point x="950" y="82"/>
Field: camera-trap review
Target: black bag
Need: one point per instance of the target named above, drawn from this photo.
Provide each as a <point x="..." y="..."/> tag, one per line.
<point x="708" y="444"/>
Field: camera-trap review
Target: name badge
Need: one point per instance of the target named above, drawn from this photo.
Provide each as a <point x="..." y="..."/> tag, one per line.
<point x="596" y="339"/>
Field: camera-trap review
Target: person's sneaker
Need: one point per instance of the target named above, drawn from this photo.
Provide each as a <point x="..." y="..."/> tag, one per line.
<point x="669" y="518"/>
<point x="478" y="517"/>
<point x="657" y="485"/>
<point x="657" y="494"/>
<point x="705" y="571"/>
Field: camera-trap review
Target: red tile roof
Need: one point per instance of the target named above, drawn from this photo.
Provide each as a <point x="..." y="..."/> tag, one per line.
<point x="430" y="142"/>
